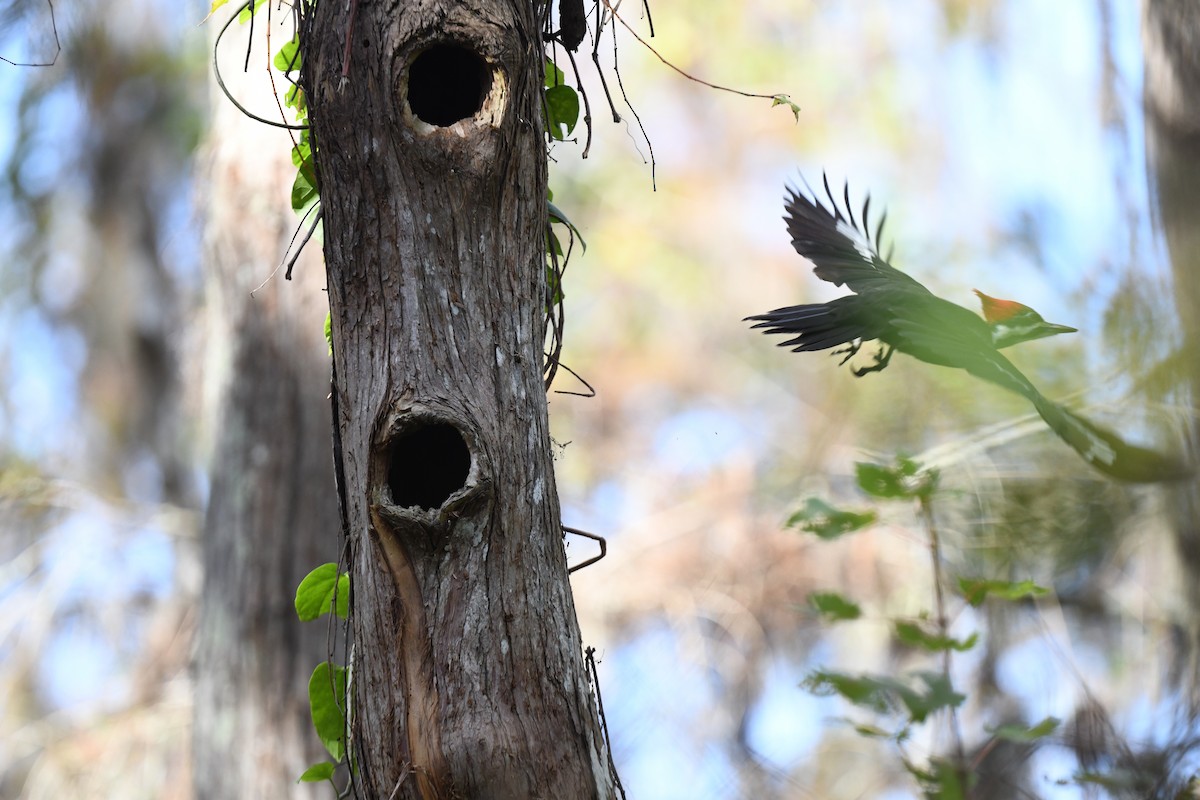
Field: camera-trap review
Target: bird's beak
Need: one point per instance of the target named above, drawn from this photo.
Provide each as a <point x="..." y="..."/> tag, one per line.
<point x="1053" y="329"/>
<point x="1004" y="336"/>
<point x="1040" y="331"/>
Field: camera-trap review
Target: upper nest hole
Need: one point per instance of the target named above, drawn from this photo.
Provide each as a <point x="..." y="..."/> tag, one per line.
<point x="447" y="83"/>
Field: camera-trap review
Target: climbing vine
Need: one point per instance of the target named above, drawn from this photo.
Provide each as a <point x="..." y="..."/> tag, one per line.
<point x="323" y="591"/>
<point x="326" y="590"/>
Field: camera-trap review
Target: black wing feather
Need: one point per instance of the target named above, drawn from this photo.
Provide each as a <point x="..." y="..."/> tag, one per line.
<point x="843" y="252"/>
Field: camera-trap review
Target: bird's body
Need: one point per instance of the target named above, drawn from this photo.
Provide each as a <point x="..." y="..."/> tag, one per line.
<point x="891" y="307"/>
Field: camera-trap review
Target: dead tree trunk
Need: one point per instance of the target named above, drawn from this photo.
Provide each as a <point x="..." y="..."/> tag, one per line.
<point x="468" y="680"/>
<point x="272" y="515"/>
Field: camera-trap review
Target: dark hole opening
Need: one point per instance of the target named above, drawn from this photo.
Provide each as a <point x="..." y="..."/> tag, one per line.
<point x="447" y="83"/>
<point x="428" y="464"/>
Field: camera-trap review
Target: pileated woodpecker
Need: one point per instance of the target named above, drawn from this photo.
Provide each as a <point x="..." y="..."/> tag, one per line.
<point x="890" y="307"/>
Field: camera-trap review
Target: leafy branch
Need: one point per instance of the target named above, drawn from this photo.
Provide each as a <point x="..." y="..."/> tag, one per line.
<point x="910" y="700"/>
<point x="326" y="590"/>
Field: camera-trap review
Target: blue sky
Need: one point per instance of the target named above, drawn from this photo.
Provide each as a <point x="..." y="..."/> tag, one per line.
<point x="1019" y="143"/>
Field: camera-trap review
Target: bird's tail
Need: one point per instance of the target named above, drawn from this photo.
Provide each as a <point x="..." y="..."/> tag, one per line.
<point x="813" y="326"/>
<point x="1108" y="452"/>
<point x="1103" y="449"/>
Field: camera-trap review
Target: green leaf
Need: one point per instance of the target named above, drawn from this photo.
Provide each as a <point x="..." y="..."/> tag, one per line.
<point x="213" y="9"/>
<point x="554" y="75"/>
<point x="939" y="693"/>
<point x="556" y="215"/>
<point x="302" y="151"/>
<point x="321" y="771"/>
<point x="905" y="480"/>
<point x="914" y="635"/>
<point x="326" y="698"/>
<point x="883" y="694"/>
<point x="562" y="111"/>
<point x="820" y="518"/>
<point x="1019" y="733"/>
<point x="305" y="193"/>
<point x="942" y="781"/>
<point x="861" y="691"/>
<point x="833" y="606"/>
<point x="294" y="98"/>
<point x="553" y="286"/>
<point x="342" y="606"/>
<point x="304" y="187"/>
<point x="976" y="590"/>
<point x="304" y="190"/>
<point x="873" y="732"/>
<point x="248" y="11"/>
<point x="329" y="335"/>
<point x="288" y="57"/>
<point x="314" y="595"/>
<point x="784" y="100"/>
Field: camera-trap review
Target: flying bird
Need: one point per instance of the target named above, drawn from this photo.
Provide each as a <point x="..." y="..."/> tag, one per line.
<point x="892" y="308"/>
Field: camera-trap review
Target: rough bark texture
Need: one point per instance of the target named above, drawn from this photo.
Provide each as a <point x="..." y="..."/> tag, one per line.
<point x="272" y="513"/>
<point x="468" y="678"/>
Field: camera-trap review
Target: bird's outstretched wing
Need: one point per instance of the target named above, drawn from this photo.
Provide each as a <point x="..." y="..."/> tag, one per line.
<point x="843" y="249"/>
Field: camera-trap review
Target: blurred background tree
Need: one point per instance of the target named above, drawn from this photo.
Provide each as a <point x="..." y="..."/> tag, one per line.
<point x="1007" y="138"/>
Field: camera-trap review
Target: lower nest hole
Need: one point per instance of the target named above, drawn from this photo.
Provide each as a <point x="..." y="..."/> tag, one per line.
<point x="427" y="465"/>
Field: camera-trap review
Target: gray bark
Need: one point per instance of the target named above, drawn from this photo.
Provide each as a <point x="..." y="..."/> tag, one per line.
<point x="1171" y="45"/>
<point x="1171" y="48"/>
<point x="272" y="512"/>
<point x="468" y="680"/>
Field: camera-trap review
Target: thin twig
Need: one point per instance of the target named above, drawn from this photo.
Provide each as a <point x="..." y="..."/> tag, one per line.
<point x="690" y="77"/>
<point x="590" y="656"/>
<point x="225" y="89"/>
<point x="587" y="106"/>
<point x="250" y="38"/>
<point x="591" y="391"/>
<point x="596" y="60"/>
<point x="625" y="97"/>
<point x="289" y="264"/>
<point x="291" y="65"/>
<point x="942" y="621"/>
<point x="555" y="313"/>
<point x="300" y="248"/>
<point x="649" y="19"/>
<point x="57" y="47"/>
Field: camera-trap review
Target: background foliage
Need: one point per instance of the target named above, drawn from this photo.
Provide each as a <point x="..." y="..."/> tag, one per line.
<point x="1006" y="138"/>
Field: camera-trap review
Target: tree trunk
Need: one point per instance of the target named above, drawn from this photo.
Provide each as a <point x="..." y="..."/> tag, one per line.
<point x="272" y="512"/>
<point x="468" y="680"/>
<point x="1171" y="47"/>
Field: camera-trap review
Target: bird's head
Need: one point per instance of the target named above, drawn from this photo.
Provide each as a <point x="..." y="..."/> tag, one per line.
<point x="1013" y="323"/>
